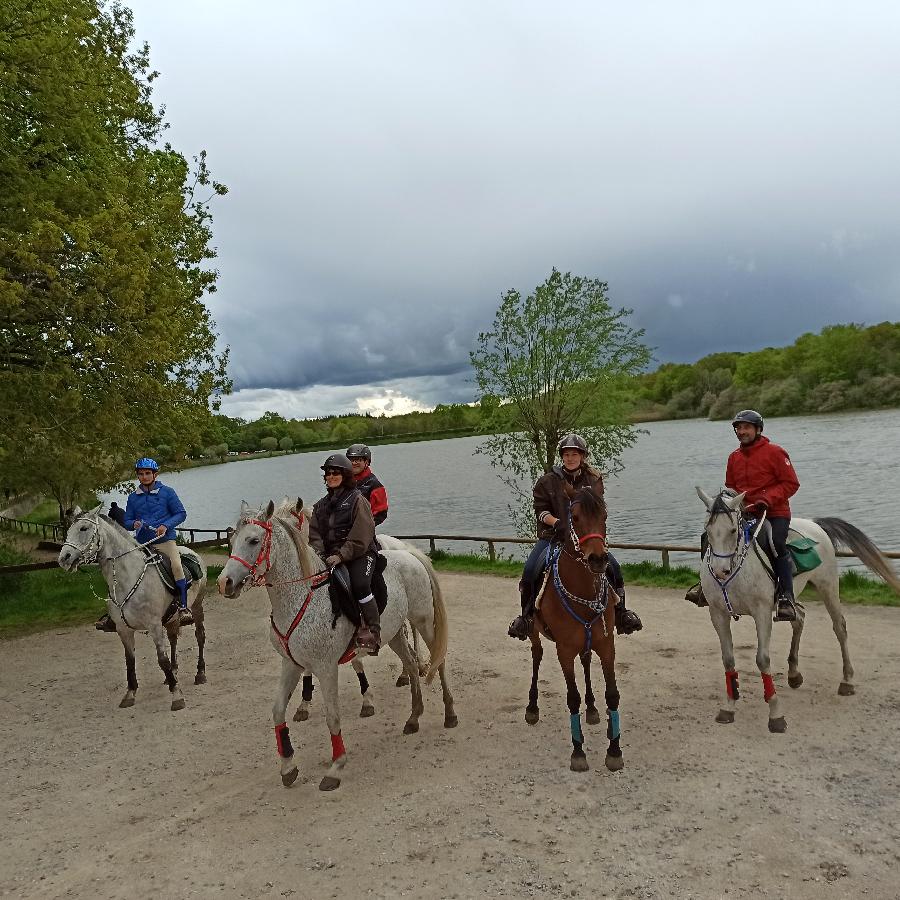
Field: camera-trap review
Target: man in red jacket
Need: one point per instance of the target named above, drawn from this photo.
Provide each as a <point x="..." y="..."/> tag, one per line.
<point x="367" y="482"/>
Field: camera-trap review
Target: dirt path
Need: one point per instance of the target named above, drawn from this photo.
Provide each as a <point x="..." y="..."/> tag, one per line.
<point x="102" y="802"/>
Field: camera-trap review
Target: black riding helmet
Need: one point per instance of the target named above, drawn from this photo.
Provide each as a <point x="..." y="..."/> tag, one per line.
<point x="359" y="451"/>
<point x="338" y="461"/>
<point x="572" y="442"/>
<point x="751" y="416"/>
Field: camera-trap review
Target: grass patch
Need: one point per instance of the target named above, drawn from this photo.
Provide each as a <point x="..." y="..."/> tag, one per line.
<point x="474" y="564"/>
<point x="860" y="590"/>
<point x="50" y="598"/>
<point x="648" y="574"/>
<point x="47" y="511"/>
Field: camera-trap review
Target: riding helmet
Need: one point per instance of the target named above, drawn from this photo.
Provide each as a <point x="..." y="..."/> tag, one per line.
<point x="146" y="463"/>
<point x="359" y="451"/>
<point x="338" y="461"/>
<point x="572" y="442"/>
<point x="748" y="415"/>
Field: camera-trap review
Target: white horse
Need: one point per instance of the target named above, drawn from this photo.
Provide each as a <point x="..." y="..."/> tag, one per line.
<point x="736" y="582"/>
<point x="306" y="634"/>
<point x="138" y="600"/>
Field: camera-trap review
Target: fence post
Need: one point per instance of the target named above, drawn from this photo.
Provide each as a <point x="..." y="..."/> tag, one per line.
<point x="665" y="560"/>
<point x="491" y="554"/>
<point x="431" y="545"/>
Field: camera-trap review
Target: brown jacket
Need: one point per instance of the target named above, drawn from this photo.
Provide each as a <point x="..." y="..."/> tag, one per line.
<point x="341" y="524"/>
<point x="550" y="496"/>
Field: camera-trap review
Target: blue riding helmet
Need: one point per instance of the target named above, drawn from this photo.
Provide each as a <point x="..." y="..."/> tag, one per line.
<point x="146" y="463"/>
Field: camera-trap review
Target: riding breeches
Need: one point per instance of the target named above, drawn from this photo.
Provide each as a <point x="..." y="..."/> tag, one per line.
<point x="169" y="549"/>
<point x="361" y="571"/>
<point x="780" y="527"/>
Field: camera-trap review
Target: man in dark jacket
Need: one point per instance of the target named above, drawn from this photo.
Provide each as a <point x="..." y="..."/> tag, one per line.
<point x="367" y="482"/>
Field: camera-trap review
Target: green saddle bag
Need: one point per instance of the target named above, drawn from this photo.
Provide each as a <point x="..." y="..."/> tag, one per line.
<point x="803" y="551"/>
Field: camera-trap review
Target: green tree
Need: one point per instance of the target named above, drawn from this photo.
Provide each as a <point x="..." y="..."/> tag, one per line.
<point x="286" y="443"/>
<point x="106" y="347"/>
<point x="552" y="355"/>
<point x="268" y="443"/>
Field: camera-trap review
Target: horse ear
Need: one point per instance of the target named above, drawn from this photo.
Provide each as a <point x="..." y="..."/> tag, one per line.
<point x="270" y="511"/>
<point x="737" y="501"/>
<point x="77" y="512"/>
<point x="245" y="510"/>
<point x="94" y="511"/>
<point x="299" y="506"/>
<point x="707" y="500"/>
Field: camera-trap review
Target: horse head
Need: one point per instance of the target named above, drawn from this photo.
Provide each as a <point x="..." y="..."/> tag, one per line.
<point x="587" y="527"/>
<point x="83" y="540"/>
<point x="251" y="546"/>
<point x="724" y="526"/>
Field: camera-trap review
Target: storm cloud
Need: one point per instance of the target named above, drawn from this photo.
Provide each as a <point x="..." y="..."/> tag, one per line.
<point x="730" y="171"/>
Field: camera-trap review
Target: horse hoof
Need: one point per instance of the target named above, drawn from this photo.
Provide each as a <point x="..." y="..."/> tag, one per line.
<point x="301" y="715"/>
<point x="410" y="727"/>
<point x="450" y="721"/>
<point x="725" y="717"/>
<point x="328" y="783"/>
<point x="777" y="726"/>
<point x="366" y="711"/>
<point x="403" y="680"/>
<point x="845" y="689"/>
<point x="200" y="678"/>
<point x="579" y="763"/>
<point x="795" y="681"/>
<point x="126" y="702"/>
<point x="288" y="778"/>
<point x="615" y="763"/>
<point x="178" y="704"/>
<point x="592" y="717"/>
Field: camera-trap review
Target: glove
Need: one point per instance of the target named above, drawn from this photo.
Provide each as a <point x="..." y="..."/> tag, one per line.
<point x="333" y="560"/>
<point x="561" y="529"/>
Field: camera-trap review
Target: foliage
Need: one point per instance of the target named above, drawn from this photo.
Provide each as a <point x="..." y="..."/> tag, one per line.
<point x="269" y="443"/>
<point x="558" y="357"/>
<point x="286" y="443"/>
<point x="106" y="348"/>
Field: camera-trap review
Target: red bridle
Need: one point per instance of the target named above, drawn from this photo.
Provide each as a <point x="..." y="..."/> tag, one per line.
<point x="256" y="577"/>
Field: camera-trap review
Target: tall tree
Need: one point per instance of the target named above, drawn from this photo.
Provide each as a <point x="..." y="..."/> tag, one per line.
<point x="106" y="347"/>
<point x="558" y="356"/>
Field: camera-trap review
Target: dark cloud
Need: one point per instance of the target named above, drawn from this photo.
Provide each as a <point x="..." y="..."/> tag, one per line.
<point x="395" y="167"/>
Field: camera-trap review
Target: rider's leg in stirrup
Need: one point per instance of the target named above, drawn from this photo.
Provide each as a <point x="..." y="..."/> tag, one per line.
<point x="695" y="593"/>
<point x="627" y="620"/>
<point x="520" y="627"/>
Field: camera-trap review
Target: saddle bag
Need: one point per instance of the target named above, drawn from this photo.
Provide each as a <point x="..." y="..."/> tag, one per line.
<point x="803" y="551"/>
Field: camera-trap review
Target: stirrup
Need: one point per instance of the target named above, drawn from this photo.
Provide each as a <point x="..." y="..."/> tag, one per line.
<point x="785" y="610"/>
<point x="695" y="595"/>
<point x="368" y="639"/>
<point x="185" y="616"/>
<point x="520" y="628"/>
<point x="627" y="621"/>
<point x="105" y="623"/>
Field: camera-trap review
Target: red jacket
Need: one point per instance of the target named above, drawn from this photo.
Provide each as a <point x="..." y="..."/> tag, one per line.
<point x="764" y="471"/>
<point x="373" y="490"/>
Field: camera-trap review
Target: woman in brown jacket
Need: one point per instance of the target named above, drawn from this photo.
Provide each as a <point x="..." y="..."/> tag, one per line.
<point x="551" y="507"/>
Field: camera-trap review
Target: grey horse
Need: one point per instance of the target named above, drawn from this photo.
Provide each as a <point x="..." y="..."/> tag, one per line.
<point x="138" y="599"/>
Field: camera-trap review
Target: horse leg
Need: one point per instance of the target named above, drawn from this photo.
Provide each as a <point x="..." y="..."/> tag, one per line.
<point x="403" y="678"/>
<point x="829" y="592"/>
<point x="777" y="724"/>
<point x="302" y="713"/>
<point x="329" y="684"/>
<point x="592" y="716"/>
<point x="200" y="632"/>
<point x="156" y="632"/>
<point x="172" y="632"/>
<point x="290" y="675"/>
<point x="400" y="646"/>
<point x="722" y="624"/>
<point x="532" y="711"/>
<point x="566" y="656"/>
<point x="126" y="635"/>
<point x="368" y="706"/>
<point x="795" y="678"/>
<point x="607" y="653"/>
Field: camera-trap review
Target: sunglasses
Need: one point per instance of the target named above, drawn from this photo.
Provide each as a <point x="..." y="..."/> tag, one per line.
<point x="329" y="472"/>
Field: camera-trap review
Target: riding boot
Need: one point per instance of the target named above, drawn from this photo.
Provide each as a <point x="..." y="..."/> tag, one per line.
<point x="695" y="595"/>
<point x="627" y="620"/>
<point x="520" y="627"/>
<point x="105" y="623"/>
<point x="368" y="635"/>
<point x="184" y="614"/>
<point x="785" y="609"/>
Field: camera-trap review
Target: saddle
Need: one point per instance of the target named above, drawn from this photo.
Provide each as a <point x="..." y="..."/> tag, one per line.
<point x="192" y="570"/>
<point x="342" y="600"/>
<point x="802" y="549"/>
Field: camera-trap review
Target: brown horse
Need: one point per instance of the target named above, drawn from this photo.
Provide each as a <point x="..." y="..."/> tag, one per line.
<point x="575" y="610"/>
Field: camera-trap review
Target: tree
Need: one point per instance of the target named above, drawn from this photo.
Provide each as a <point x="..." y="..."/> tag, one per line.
<point x="106" y="348"/>
<point x="286" y="443"/>
<point x="268" y="443"/>
<point x="555" y="355"/>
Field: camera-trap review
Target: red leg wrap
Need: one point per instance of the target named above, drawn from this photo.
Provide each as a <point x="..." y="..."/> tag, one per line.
<point x="283" y="741"/>
<point x="337" y="746"/>
<point x="768" y="686"/>
<point x="731" y="684"/>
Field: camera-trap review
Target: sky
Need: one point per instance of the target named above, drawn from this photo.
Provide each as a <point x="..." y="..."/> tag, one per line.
<point x="730" y="170"/>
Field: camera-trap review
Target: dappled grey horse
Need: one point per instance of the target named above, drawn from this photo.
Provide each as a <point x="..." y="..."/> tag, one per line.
<point x="138" y="600"/>
<point x="737" y="582"/>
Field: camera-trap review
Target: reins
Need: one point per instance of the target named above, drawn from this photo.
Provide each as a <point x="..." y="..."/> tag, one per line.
<point x="257" y="578"/>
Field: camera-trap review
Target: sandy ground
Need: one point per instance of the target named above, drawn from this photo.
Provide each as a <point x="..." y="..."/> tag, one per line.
<point x="104" y="802"/>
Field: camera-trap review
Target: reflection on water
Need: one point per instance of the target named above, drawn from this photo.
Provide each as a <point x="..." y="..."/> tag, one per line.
<point x="847" y="464"/>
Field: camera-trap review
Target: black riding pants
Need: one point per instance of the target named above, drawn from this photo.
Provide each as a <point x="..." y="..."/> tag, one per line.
<point x="780" y="527"/>
<point x="360" y="571"/>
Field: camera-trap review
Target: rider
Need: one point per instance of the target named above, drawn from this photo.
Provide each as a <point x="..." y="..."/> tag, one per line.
<point x="764" y="472"/>
<point x="551" y="506"/>
<point x="342" y="530"/>
<point x="367" y="482"/>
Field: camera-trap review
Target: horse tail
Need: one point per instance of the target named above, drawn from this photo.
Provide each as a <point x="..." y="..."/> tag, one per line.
<point x="438" y="649"/>
<point x="841" y="532"/>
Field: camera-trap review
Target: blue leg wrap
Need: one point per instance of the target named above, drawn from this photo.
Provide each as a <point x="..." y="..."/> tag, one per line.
<point x="614" y="728"/>
<point x="181" y="584"/>
<point x="575" y="723"/>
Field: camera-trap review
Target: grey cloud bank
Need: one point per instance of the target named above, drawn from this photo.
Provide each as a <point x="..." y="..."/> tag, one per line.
<point x="394" y="167"/>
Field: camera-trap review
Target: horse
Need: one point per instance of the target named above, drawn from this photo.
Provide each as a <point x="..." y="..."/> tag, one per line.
<point x="309" y="637"/>
<point x="736" y="581"/>
<point x="576" y="610"/>
<point x="138" y="600"/>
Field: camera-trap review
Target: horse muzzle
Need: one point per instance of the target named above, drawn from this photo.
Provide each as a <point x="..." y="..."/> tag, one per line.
<point x="597" y="562"/>
<point x="68" y="561"/>
<point x="228" y="587"/>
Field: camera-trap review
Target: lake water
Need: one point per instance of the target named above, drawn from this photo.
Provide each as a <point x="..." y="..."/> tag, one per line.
<point x="848" y="466"/>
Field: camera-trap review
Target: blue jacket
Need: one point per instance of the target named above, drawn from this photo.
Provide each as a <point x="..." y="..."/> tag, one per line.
<point x="159" y="506"/>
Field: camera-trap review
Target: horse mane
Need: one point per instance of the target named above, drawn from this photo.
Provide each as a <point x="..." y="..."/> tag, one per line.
<point x="115" y="525"/>
<point x="591" y="502"/>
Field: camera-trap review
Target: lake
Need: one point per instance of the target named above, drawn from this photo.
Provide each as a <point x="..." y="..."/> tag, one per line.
<point x="847" y="463"/>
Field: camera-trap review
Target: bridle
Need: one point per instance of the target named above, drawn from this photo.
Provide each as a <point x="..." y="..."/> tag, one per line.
<point x="254" y="575"/>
